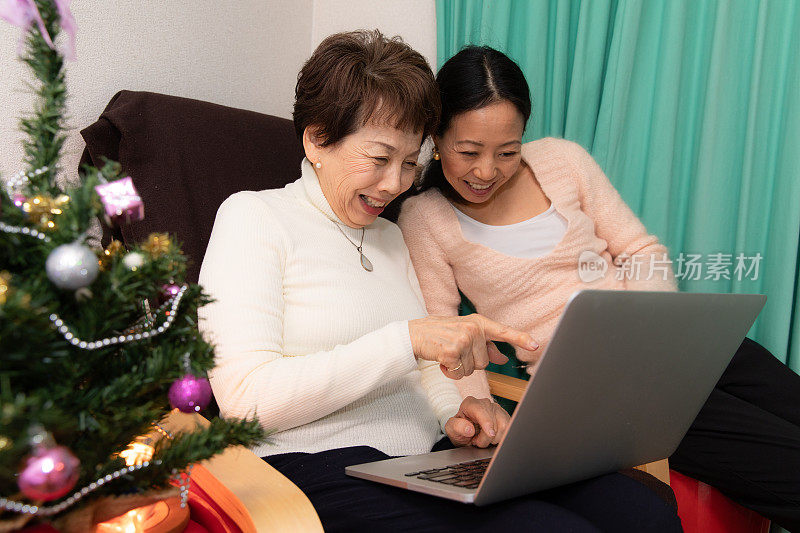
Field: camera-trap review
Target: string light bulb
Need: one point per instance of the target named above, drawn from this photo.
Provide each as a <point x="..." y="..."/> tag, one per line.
<point x="138" y="452"/>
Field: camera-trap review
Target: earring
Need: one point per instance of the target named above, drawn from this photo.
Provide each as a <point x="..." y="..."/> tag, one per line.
<point x="318" y="164"/>
<point x="436" y="155"/>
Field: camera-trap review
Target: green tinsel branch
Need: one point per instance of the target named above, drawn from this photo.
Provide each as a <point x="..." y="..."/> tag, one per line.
<point x="44" y="127"/>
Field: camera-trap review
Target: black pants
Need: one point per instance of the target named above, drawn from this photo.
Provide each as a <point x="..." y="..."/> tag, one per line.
<point x="746" y="439"/>
<point x="608" y="503"/>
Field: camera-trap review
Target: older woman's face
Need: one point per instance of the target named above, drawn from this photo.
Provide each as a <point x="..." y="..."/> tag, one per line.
<point x="365" y="171"/>
<point x="480" y="151"/>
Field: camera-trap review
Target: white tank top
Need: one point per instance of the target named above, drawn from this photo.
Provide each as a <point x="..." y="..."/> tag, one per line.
<point x="531" y="238"/>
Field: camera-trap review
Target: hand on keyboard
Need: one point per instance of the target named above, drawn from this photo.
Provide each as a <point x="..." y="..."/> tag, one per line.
<point x="478" y="423"/>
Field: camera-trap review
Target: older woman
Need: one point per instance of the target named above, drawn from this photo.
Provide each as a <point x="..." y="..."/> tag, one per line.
<point x="320" y="327"/>
<point x="506" y="223"/>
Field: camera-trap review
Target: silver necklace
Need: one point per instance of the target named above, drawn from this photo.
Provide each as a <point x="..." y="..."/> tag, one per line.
<point x="366" y="263"/>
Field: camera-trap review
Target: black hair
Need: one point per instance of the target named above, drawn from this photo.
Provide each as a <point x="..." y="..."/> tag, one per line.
<point x="474" y="78"/>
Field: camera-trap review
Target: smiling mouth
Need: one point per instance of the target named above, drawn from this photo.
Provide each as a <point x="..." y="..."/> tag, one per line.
<point x="372" y="202"/>
<point x="479" y="188"/>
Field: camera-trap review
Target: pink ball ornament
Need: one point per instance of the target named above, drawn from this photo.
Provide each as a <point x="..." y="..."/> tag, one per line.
<point x="170" y="290"/>
<point x="49" y="473"/>
<point x="190" y="394"/>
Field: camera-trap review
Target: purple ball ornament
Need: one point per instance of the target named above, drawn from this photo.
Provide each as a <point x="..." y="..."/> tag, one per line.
<point x="190" y="394"/>
<point x="49" y="473"/>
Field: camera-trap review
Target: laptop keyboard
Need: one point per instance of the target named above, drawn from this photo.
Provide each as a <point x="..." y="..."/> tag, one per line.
<point x="467" y="475"/>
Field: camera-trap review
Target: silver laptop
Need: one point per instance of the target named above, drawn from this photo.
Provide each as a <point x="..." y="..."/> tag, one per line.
<point x="620" y="383"/>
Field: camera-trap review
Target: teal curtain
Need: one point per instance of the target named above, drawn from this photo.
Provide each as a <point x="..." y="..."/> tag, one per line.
<point x="693" y="109"/>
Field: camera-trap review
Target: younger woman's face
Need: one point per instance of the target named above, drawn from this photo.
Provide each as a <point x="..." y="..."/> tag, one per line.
<point x="480" y="151"/>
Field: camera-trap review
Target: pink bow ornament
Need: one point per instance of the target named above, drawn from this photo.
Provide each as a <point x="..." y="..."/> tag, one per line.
<point x="23" y="13"/>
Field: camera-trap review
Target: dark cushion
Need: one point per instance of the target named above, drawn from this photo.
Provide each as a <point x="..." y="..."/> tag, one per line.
<point x="186" y="157"/>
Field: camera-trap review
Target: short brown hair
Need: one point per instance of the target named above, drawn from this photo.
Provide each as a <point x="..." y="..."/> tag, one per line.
<point x="359" y="76"/>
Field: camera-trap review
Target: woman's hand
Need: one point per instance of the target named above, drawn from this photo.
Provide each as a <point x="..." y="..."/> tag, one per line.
<point x="478" y="423"/>
<point x="462" y="344"/>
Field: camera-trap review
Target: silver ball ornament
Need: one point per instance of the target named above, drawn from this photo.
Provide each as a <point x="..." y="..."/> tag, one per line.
<point x="72" y="266"/>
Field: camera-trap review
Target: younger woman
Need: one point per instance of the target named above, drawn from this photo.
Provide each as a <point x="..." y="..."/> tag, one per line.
<point x="507" y="224"/>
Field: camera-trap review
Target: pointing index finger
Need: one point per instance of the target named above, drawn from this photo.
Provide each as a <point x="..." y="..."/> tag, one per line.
<point x="498" y="332"/>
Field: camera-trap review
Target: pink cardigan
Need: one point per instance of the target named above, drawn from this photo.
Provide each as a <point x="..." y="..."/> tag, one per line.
<point x="529" y="294"/>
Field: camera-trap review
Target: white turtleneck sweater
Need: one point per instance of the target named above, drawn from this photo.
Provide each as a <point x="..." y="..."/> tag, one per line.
<point x="307" y="341"/>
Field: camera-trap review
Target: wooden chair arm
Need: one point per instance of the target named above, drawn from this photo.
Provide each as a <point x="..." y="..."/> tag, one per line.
<point x="513" y="388"/>
<point x="255" y="495"/>
<point x="506" y="386"/>
<point x="657" y="469"/>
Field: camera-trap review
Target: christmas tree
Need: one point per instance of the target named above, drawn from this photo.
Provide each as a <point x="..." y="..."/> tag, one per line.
<point x="96" y="346"/>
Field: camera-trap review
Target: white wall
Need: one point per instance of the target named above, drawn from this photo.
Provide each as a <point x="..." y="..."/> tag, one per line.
<point x="413" y="20"/>
<point x="241" y="53"/>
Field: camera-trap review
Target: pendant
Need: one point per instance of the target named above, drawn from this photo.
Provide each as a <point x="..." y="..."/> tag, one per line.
<point x="366" y="263"/>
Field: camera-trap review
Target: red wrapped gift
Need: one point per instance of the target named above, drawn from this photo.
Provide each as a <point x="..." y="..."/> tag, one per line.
<point x="704" y="509"/>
